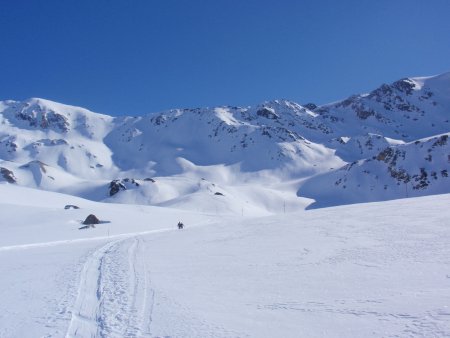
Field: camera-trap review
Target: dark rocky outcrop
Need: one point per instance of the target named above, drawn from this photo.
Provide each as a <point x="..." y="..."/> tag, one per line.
<point x="39" y="117"/>
<point x="115" y="186"/>
<point x="9" y="145"/>
<point x="267" y="113"/>
<point x="7" y="175"/>
<point x="123" y="184"/>
<point x="405" y="86"/>
<point x="310" y="106"/>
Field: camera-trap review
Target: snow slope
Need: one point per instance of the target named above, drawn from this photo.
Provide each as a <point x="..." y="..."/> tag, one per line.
<point x="378" y="269"/>
<point x="399" y="171"/>
<point x="261" y="156"/>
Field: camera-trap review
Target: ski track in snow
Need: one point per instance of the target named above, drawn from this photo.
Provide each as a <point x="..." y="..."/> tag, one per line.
<point x="124" y="274"/>
<point x="79" y="240"/>
<point x="114" y="295"/>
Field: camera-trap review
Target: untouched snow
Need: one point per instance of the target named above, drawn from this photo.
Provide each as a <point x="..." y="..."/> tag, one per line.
<point x="379" y="269"/>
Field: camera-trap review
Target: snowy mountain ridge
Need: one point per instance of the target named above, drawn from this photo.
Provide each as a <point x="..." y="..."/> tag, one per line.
<point x="275" y="153"/>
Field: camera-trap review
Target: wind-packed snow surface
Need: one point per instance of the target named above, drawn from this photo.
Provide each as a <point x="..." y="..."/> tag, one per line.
<point x="379" y="269"/>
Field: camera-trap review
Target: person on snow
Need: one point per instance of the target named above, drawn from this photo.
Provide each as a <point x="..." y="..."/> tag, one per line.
<point x="180" y="225"/>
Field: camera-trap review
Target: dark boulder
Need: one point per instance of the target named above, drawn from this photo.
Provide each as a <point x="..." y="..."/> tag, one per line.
<point x="91" y="219"/>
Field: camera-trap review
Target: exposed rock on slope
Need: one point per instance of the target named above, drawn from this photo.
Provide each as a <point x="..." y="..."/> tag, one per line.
<point x="122" y="184"/>
<point x="415" y="169"/>
<point x="407" y="109"/>
<point x="372" y="137"/>
<point x="7" y="175"/>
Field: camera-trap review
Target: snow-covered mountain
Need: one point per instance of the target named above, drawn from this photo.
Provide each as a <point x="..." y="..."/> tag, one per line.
<point x="387" y="144"/>
<point x="413" y="169"/>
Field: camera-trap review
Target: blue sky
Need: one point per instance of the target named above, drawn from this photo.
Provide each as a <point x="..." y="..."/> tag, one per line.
<point x="136" y="57"/>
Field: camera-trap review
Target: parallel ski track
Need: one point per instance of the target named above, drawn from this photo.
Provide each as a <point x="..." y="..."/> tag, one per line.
<point x="114" y="297"/>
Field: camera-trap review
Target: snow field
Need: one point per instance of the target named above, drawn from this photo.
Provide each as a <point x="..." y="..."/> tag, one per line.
<point x="378" y="269"/>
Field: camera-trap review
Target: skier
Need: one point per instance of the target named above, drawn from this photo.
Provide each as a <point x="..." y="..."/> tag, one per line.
<point x="180" y="225"/>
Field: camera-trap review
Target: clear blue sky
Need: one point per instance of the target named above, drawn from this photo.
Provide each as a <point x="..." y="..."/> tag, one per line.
<point x="135" y="57"/>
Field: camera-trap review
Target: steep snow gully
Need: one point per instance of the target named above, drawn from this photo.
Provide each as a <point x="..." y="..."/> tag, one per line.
<point x="114" y="298"/>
